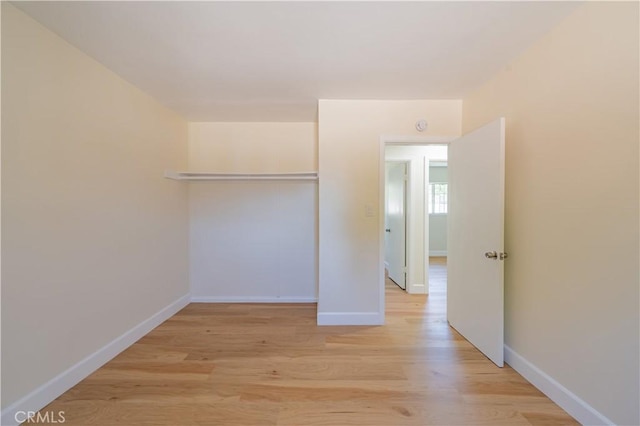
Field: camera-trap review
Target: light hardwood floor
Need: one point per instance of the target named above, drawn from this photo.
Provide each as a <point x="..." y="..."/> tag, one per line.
<point x="269" y="364"/>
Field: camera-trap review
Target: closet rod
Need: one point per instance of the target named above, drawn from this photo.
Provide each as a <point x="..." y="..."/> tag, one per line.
<point x="240" y="176"/>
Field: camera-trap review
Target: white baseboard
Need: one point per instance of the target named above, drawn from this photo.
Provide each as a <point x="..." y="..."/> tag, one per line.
<point x="64" y="381"/>
<point x="252" y="299"/>
<point x="562" y="396"/>
<point x="438" y="253"/>
<point x="350" y="318"/>
<point x="417" y="289"/>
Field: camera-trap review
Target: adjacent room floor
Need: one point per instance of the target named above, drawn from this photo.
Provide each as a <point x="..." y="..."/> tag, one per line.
<point x="269" y="364"/>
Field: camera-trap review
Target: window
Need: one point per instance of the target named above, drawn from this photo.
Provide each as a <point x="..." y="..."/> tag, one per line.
<point x="438" y="198"/>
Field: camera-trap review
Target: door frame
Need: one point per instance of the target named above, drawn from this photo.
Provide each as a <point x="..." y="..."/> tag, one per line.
<point x="396" y="140"/>
<point x="407" y="217"/>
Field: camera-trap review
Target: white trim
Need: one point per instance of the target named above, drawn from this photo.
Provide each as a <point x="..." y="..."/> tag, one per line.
<point x="386" y="265"/>
<point x="440" y="253"/>
<point x="426" y="226"/>
<point x="417" y="289"/>
<point x="562" y="396"/>
<point x="64" y="381"/>
<point x="350" y="318"/>
<point x="381" y="230"/>
<point x="253" y="299"/>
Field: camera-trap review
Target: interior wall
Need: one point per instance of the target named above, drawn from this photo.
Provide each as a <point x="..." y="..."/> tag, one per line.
<point x="94" y="239"/>
<point x="438" y="222"/>
<point x="438" y="174"/>
<point x="418" y="157"/>
<point x="351" y="214"/>
<point x="571" y="280"/>
<point x="438" y="234"/>
<point x="253" y="240"/>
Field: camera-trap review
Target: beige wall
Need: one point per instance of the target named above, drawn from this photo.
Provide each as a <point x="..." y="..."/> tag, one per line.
<point x="253" y="241"/>
<point x="253" y="147"/>
<point x="94" y="240"/>
<point x="571" y="284"/>
<point x="349" y="156"/>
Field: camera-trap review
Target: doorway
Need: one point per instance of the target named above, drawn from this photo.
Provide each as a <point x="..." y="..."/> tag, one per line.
<point x="417" y="160"/>
<point x="475" y="235"/>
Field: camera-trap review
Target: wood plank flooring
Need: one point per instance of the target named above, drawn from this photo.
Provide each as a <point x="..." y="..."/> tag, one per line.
<point x="269" y="364"/>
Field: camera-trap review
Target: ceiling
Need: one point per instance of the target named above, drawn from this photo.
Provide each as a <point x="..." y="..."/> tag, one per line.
<point x="272" y="61"/>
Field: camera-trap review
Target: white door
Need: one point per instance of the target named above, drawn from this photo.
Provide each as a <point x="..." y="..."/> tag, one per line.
<point x="475" y="300"/>
<point x="395" y="230"/>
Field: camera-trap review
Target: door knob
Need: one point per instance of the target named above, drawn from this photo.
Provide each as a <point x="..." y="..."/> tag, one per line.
<point x="491" y="255"/>
<point x="387" y="230"/>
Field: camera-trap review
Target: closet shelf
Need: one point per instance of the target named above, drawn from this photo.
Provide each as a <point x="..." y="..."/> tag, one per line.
<point x="240" y="176"/>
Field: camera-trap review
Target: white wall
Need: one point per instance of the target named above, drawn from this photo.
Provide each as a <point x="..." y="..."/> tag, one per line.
<point x="349" y="152"/>
<point x="572" y="195"/>
<point x="438" y="222"/>
<point x="253" y="241"/>
<point x="438" y="234"/>
<point x="418" y="157"/>
<point x="94" y="239"/>
<point x="439" y="173"/>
